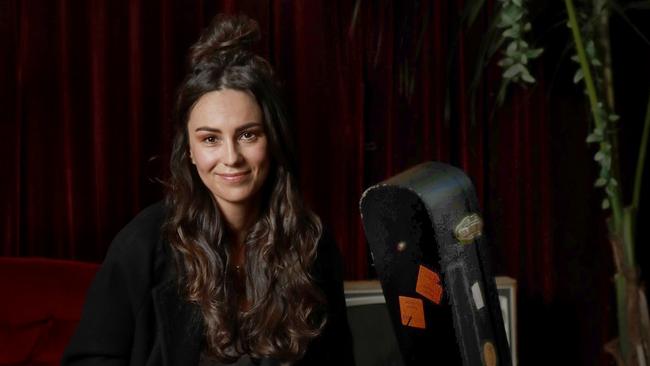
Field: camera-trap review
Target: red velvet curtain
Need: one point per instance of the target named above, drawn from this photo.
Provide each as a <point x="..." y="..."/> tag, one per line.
<point x="86" y="91"/>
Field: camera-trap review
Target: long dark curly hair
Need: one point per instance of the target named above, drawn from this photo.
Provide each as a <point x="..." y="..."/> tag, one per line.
<point x="285" y="308"/>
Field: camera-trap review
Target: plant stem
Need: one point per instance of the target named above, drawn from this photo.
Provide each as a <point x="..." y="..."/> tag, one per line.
<point x="629" y="216"/>
<point x="613" y="194"/>
<point x="601" y="10"/>
<point x="621" y="310"/>
<point x="582" y="56"/>
<point x="640" y="162"/>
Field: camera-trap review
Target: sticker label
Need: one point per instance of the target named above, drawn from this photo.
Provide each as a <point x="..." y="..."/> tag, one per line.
<point x="412" y="312"/>
<point x="429" y="285"/>
<point x="469" y="228"/>
<point x="489" y="354"/>
<point x="478" y="296"/>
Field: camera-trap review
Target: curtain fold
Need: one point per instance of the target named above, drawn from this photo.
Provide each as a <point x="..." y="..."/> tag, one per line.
<point x="366" y="84"/>
<point x="373" y="88"/>
<point x="94" y="88"/>
<point x="10" y="103"/>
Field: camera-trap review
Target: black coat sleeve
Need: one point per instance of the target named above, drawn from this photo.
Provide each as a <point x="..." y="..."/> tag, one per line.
<point x="334" y="345"/>
<point x="104" y="335"/>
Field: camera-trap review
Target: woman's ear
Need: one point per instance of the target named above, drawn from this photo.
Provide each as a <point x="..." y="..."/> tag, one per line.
<point x="191" y="157"/>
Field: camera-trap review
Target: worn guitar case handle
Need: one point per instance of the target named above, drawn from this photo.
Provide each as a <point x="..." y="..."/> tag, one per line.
<point x="426" y="237"/>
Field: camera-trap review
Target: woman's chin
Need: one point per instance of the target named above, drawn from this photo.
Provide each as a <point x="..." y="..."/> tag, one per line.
<point x="244" y="196"/>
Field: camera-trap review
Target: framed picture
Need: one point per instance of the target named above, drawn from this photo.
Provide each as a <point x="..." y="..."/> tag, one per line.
<point x="507" y="289"/>
<point x="367" y="314"/>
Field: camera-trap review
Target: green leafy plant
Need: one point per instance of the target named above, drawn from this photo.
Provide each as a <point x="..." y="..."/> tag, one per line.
<point x="512" y="20"/>
<point x="589" y="26"/>
<point x="508" y="33"/>
<point x="631" y="347"/>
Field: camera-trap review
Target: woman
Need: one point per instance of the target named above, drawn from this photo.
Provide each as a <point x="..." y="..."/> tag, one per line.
<point x="232" y="268"/>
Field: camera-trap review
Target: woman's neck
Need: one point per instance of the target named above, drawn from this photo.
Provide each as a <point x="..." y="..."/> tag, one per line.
<point x="239" y="218"/>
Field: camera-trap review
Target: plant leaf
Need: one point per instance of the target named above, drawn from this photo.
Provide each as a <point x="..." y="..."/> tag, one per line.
<point x="578" y="76"/>
<point x="506" y="20"/>
<point x="641" y="5"/>
<point x="594" y="138"/>
<point x="472" y="8"/>
<point x="605" y="204"/>
<point x="645" y="5"/>
<point x="511" y="32"/>
<point x="534" y="53"/>
<point x="512" y="48"/>
<point x="606" y="147"/>
<point x="527" y="77"/>
<point x="598" y="131"/>
<point x="355" y="17"/>
<point x="506" y="61"/>
<point x="600" y="182"/>
<point x="590" y="48"/>
<point x="607" y="162"/>
<point x="513" y="71"/>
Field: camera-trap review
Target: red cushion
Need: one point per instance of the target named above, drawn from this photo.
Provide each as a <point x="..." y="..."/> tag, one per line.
<point x="51" y="344"/>
<point x="40" y="308"/>
<point x="17" y="341"/>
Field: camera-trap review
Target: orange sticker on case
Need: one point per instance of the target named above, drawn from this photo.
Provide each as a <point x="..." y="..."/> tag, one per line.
<point x="428" y="285"/>
<point x="412" y="311"/>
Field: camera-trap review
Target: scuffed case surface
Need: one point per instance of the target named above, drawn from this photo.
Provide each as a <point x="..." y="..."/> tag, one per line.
<point x="410" y="223"/>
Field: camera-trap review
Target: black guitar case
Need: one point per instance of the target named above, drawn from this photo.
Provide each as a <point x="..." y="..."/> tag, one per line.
<point x="425" y="234"/>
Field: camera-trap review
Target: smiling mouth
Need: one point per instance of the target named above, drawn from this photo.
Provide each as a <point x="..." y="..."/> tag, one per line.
<point x="234" y="177"/>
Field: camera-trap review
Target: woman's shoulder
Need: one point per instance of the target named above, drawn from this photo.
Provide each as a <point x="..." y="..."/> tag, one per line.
<point x="327" y="242"/>
<point x="328" y="262"/>
<point x="142" y="236"/>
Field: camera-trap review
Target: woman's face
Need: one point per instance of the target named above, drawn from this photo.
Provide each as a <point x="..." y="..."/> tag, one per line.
<point x="228" y="146"/>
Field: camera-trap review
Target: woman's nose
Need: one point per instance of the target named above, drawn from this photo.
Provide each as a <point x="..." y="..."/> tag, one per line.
<point x="233" y="155"/>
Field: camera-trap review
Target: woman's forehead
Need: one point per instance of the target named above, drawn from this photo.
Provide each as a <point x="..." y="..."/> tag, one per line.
<point x="225" y="110"/>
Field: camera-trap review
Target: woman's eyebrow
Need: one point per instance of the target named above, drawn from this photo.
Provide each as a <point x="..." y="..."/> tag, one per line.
<point x="248" y="125"/>
<point x="239" y="129"/>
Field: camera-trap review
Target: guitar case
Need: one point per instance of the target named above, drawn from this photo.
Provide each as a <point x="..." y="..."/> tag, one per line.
<point x="425" y="235"/>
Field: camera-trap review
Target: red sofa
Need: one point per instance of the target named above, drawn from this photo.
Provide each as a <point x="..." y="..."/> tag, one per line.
<point x="40" y="307"/>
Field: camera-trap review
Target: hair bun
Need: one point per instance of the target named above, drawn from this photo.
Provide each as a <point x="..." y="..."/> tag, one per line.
<point x="226" y="33"/>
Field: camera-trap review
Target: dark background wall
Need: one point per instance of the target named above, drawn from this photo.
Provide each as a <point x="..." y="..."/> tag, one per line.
<point x="86" y="89"/>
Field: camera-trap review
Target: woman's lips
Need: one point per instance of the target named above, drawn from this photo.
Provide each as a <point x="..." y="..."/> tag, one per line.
<point x="234" y="177"/>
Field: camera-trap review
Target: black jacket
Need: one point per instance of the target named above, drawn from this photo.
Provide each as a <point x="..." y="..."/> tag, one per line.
<point x="134" y="314"/>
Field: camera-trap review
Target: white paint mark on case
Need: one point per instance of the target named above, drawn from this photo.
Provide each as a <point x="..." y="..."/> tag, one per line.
<point x="478" y="296"/>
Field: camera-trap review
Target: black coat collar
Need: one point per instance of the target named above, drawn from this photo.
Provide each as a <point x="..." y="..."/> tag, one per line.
<point x="180" y="332"/>
<point x="180" y="327"/>
<point x="179" y="337"/>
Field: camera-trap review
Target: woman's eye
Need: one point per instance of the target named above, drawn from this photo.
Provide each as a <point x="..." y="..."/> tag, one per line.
<point x="248" y="136"/>
<point x="211" y="139"/>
